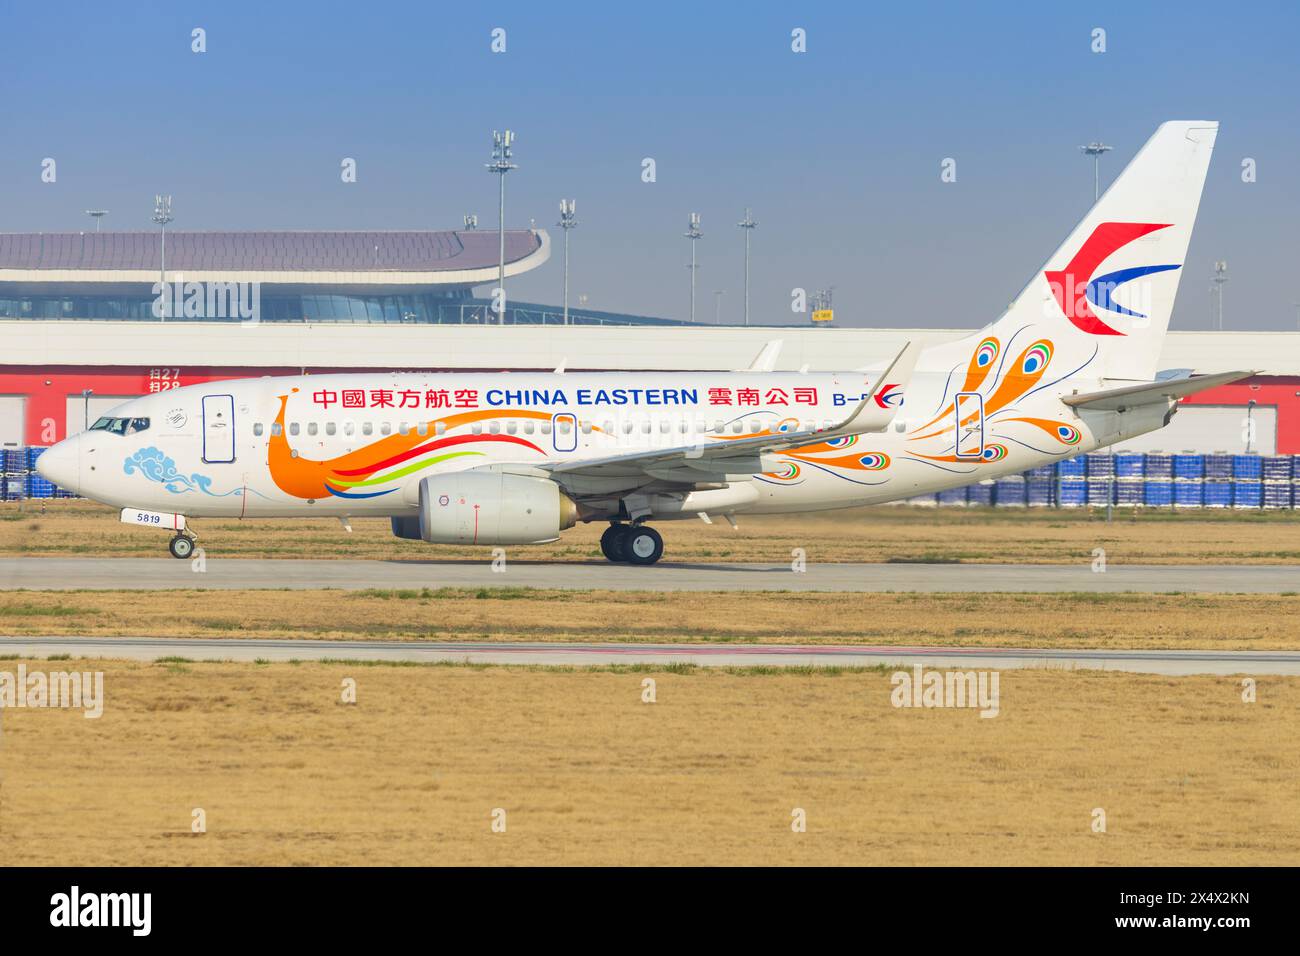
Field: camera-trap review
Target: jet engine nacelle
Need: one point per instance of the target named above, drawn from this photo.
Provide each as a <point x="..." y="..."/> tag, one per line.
<point x="493" y="507"/>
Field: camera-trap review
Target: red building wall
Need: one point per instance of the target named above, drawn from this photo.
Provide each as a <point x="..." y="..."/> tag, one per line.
<point x="1281" y="391"/>
<point x="47" y="389"/>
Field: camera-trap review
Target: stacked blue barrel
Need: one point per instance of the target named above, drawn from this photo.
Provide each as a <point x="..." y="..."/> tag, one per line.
<point x="1150" y="480"/>
<point x="1130" y="474"/>
<point x="1247" y="481"/>
<point x="13" y="473"/>
<point x="1276" y="474"/>
<point x="1071" y="483"/>
<point x="19" y="478"/>
<point x="1011" y="491"/>
<point x="1040" y="486"/>
<point x="1100" y="469"/>
<point x="1189" y="480"/>
<point x="1158" y="480"/>
<point x="980" y="493"/>
<point x="1217" y="486"/>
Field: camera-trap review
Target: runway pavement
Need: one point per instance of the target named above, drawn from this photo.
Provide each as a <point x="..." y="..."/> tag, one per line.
<point x="242" y="573"/>
<point x="1171" y="663"/>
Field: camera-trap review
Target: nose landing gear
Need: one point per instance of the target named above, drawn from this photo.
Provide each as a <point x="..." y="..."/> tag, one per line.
<point x="181" y="546"/>
<point x="635" y="544"/>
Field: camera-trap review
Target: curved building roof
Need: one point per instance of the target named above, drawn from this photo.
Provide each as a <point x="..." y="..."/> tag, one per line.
<point x="459" y="257"/>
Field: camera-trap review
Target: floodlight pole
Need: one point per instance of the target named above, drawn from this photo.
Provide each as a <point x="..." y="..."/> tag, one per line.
<point x="568" y="220"/>
<point x="1095" y="150"/>
<point x="748" y="225"/>
<point x="162" y="214"/>
<point x="501" y="153"/>
<point x="693" y="233"/>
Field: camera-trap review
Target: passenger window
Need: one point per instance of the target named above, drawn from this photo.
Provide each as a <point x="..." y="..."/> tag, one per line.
<point x="422" y="428"/>
<point x="329" y="428"/>
<point x="277" y="428"/>
<point x="664" y="427"/>
<point x="627" y="428"/>
<point x="293" y="428"/>
<point x="439" y="428"/>
<point x="476" y="428"/>
<point x="348" y="428"/>
<point x="528" y="428"/>
<point x="737" y="426"/>
<point x="546" y="428"/>
<point x="511" y="428"/>
<point x="586" y="428"/>
<point x="311" y="428"/>
<point x="386" y="428"/>
<point x="755" y="426"/>
<point x="257" y="428"/>
<point x="494" y="428"/>
<point x="645" y="428"/>
<point x="565" y="427"/>
<point x="367" y="428"/>
<point x="403" y="429"/>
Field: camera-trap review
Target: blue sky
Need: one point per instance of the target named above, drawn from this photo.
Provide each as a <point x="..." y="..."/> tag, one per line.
<point x="837" y="150"/>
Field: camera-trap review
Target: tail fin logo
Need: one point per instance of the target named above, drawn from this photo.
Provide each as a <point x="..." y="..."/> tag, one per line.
<point x="1076" y="289"/>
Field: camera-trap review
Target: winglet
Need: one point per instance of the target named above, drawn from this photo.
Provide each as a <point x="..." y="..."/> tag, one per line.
<point x="874" y="412"/>
<point x="765" y="361"/>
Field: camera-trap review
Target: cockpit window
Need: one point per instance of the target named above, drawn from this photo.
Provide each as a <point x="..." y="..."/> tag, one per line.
<point x="120" y="426"/>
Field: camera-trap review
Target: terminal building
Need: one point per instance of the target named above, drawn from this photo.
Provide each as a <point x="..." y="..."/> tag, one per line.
<point x="81" y="329"/>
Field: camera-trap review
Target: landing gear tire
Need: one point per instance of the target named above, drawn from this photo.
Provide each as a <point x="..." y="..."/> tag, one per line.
<point x="612" y="542"/>
<point x="181" y="546"/>
<point x="643" y="545"/>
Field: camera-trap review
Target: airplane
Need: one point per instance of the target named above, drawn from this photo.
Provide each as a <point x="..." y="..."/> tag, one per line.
<point x="518" y="458"/>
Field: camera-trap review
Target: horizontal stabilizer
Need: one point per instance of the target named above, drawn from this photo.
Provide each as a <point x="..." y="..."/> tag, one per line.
<point x="1149" y="393"/>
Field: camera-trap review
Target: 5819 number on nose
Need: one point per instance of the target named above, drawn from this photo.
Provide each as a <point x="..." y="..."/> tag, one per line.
<point x="153" y="519"/>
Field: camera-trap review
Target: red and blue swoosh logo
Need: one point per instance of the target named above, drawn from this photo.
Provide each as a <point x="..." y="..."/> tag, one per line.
<point x="888" y="398"/>
<point x="1067" y="283"/>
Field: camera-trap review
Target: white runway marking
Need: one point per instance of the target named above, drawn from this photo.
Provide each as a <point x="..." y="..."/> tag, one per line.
<point x="1171" y="663"/>
<point x="246" y="573"/>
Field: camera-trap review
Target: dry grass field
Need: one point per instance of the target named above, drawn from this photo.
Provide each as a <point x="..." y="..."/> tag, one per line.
<point x="586" y="773"/>
<point x="1048" y="536"/>
<point x="1141" y="621"/>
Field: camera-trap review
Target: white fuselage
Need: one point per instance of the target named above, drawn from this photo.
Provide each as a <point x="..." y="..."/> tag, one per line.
<point x="358" y="444"/>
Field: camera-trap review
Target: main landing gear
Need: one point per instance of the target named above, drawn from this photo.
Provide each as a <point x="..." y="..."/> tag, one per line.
<point x="181" y="546"/>
<point x="633" y="543"/>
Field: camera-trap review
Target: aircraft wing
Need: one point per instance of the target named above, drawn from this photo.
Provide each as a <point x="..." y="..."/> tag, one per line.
<point x="706" y="461"/>
<point x="1149" y="393"/>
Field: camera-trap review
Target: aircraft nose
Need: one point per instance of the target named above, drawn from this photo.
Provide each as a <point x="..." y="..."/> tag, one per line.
<point x="61" y="464"/>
